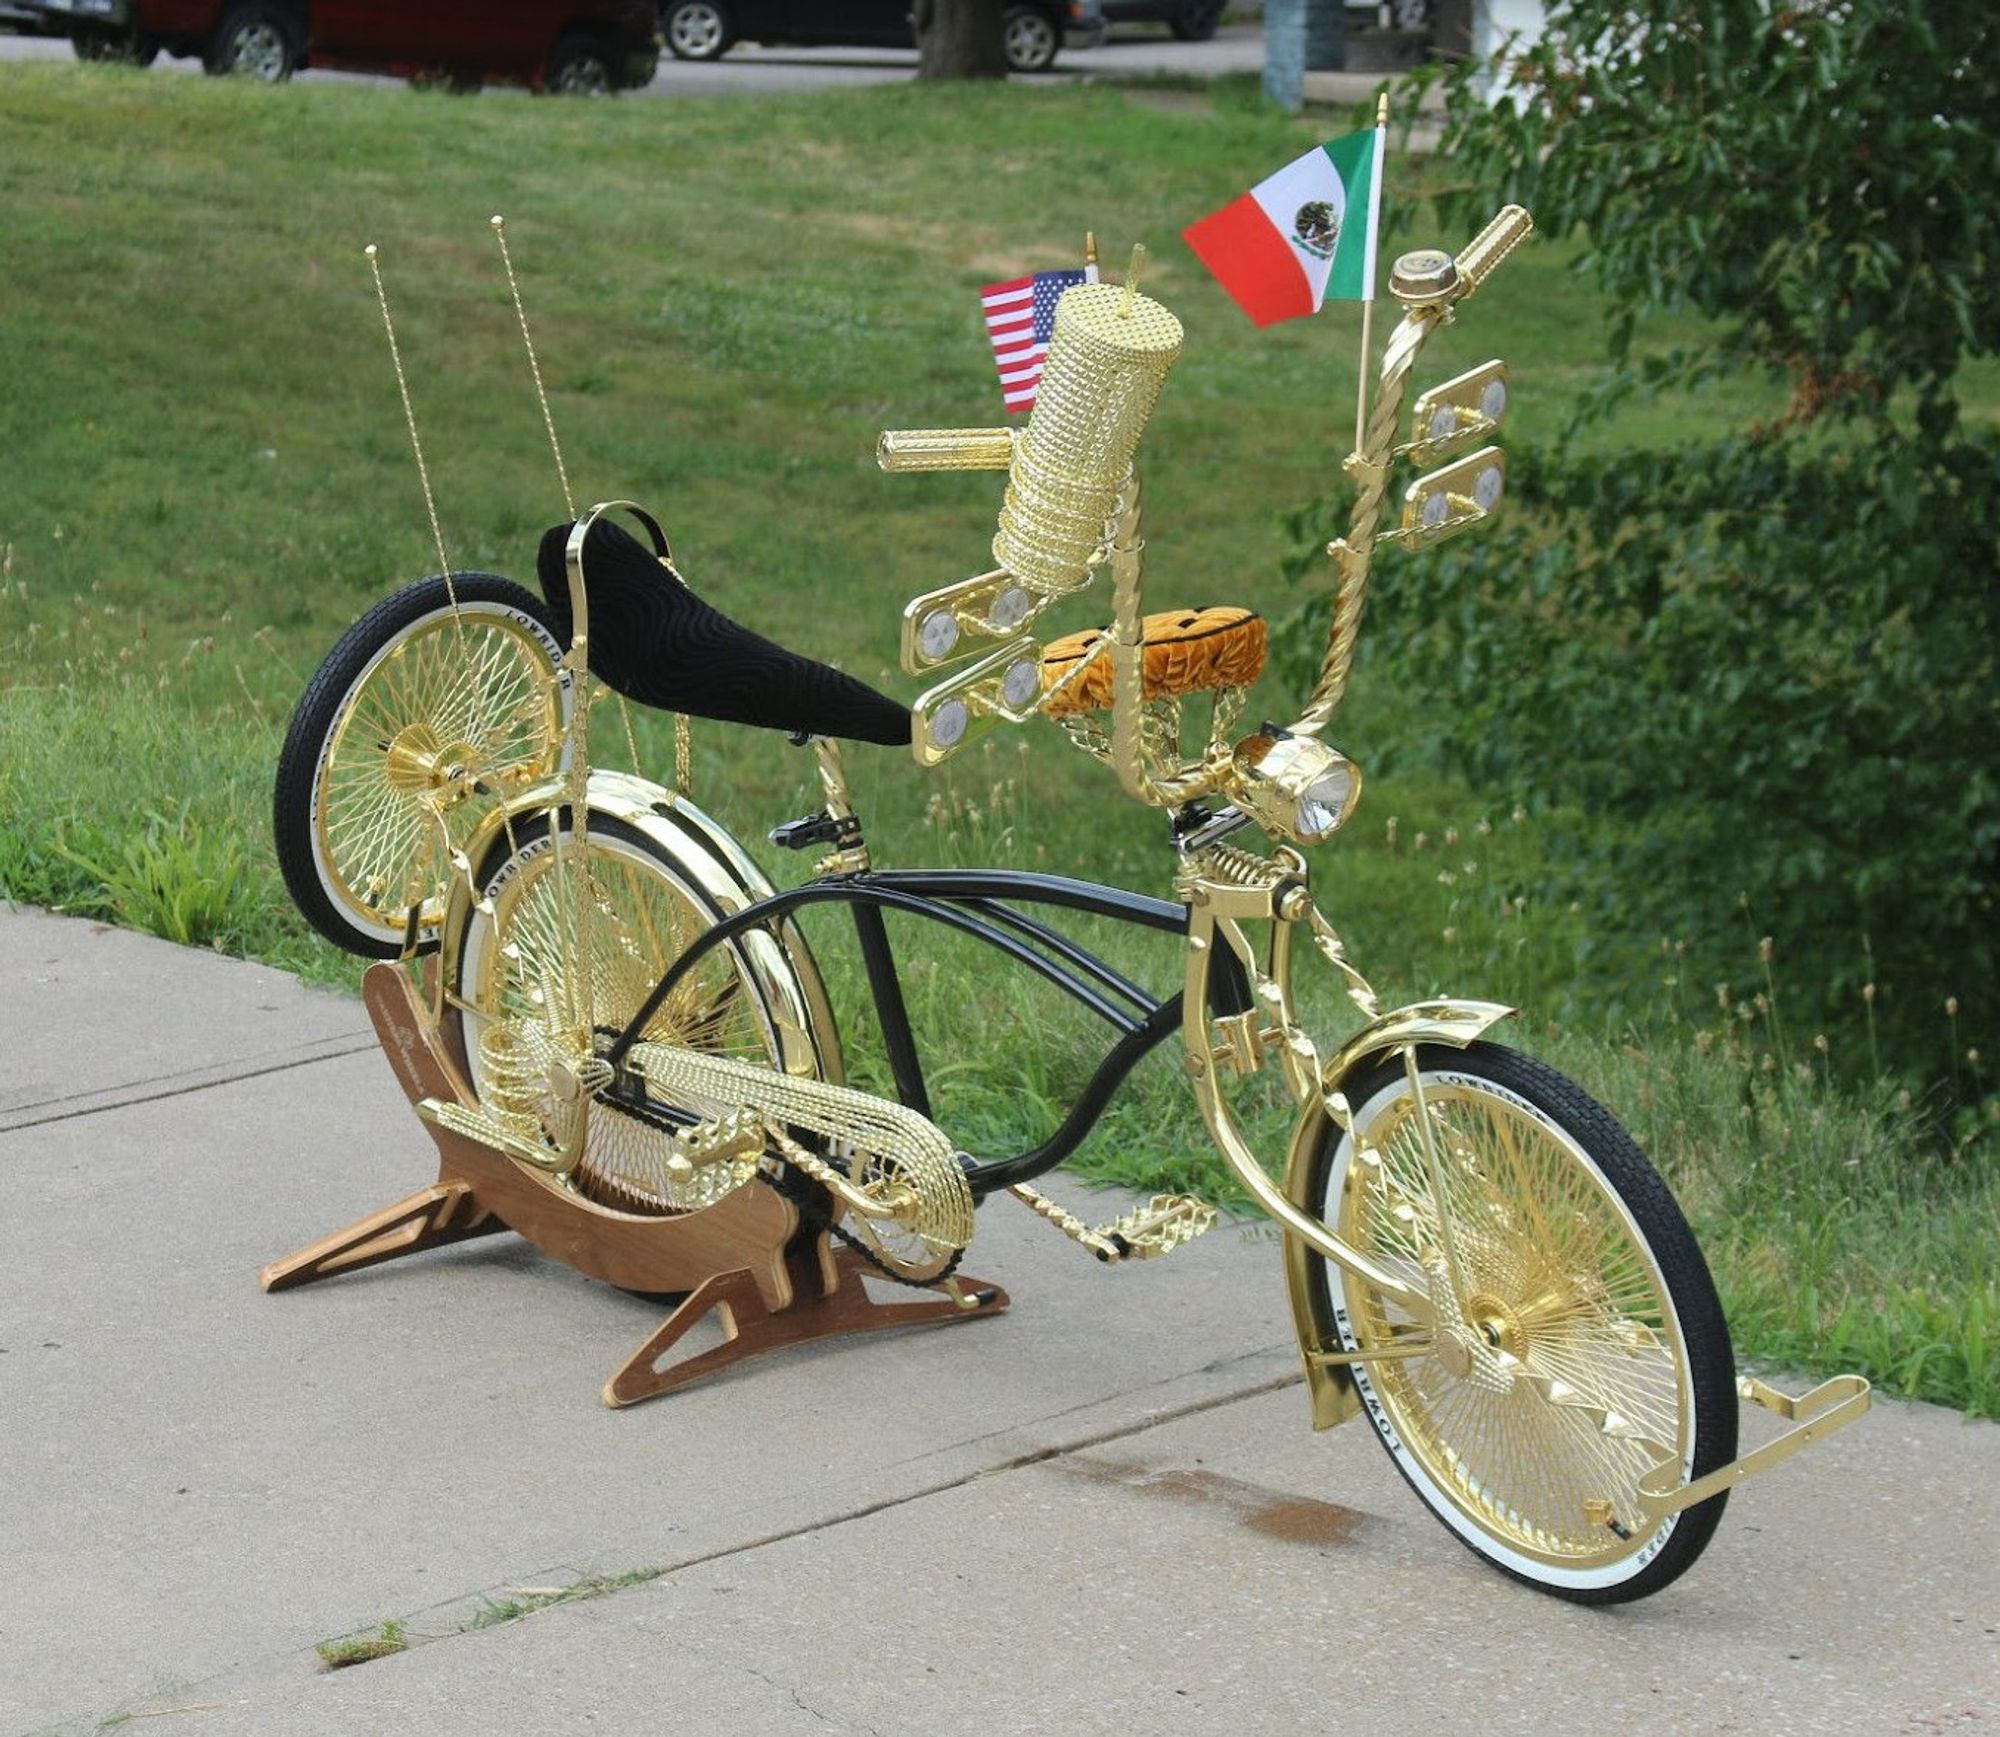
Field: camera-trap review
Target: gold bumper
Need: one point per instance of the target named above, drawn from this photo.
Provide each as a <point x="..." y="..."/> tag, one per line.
<point x="1830" y="1406"/>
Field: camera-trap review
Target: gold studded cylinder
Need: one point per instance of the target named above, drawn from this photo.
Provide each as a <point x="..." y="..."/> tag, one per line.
<point x="1108" y="358"/>
<point x="920" y="449"/>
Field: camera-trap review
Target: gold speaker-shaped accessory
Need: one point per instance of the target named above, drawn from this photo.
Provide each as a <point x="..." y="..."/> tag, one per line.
<point x="1108" y="358"/>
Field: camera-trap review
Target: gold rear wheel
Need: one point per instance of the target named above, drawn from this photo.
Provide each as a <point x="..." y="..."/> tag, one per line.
<point x="526" y="989"/>
<point x="1578" y="1340"/>
<point x="442" y="701"/>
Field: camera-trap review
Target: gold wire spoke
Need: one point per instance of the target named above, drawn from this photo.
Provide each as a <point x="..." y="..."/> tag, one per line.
<point x="381" y="842"/>
<point x="485" y="691"/>
<point x="639" y="925"/>
<point x="1527" y="1467"/>
<point x="474" y="688"/>
<point x="1543" y="1246"/>
<point x="470" y="691"/>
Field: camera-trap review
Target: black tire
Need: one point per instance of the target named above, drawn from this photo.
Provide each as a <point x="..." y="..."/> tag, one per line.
<point x="697" y="29"/>
<point x="581" y="66"/>
<point x="1197" y="20"/>
<point x="114" y="48"/>
<point x="1573" y="1166"/>
<point x="1032" y="38"/>
<point x="321" y="884"/>
<point x="260" y="41"/>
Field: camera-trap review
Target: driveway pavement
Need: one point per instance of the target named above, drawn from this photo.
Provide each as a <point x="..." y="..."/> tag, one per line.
<point x="1102" y="1511"/>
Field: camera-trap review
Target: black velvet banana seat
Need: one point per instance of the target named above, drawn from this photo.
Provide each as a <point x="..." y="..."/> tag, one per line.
<point x="656" y="642"/>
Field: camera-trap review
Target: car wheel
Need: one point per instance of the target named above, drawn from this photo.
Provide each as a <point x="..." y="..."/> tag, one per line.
<point x="262" y="42"/>
<point x="579" y="66"/>
<point x="696" y="30"/>
<point x="1031" y="39"/>
<point x="1197" y="19"/>
<point x="114" y="48"/>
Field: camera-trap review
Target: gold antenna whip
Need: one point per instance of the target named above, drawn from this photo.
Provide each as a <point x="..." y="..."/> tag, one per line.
<point x="534" y="365"/>
<point x="410" y="418"/>
<point x="683" y="747"/>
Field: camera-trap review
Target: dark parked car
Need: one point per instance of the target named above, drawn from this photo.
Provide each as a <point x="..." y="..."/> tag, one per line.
<point x="568" y="45"/>
<point x="20" y="19"/>
<point x="1034" y="30"/>
<point x="1190" y="20"/>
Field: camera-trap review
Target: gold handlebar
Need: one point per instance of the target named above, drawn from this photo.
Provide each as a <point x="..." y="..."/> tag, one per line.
<point x="925" y="449"/>
<point x="1445" y="282"/>
<point x="1488" y="250"/>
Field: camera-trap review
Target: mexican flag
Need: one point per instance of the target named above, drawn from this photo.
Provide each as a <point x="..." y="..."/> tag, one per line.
<point x="1301" y="235"/>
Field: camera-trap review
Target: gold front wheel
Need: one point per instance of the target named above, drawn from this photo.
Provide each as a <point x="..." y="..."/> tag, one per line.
<point x="1577" y="1344"/>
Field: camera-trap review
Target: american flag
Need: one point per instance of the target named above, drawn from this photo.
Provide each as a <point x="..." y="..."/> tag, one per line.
<point x="1020" y="315"/>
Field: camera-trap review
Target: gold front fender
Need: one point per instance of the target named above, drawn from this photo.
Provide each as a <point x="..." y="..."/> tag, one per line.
<point x="1457" y="1023"/>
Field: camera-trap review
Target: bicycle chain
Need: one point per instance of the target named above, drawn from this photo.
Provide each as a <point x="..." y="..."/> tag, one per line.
<point x="814" y="1206"/>
<point x="813" y="1203"/>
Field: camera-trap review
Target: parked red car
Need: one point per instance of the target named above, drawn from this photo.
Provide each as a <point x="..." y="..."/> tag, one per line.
<point x="585" y="46"/>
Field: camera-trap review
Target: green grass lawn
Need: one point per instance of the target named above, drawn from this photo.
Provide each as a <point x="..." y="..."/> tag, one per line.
<point x="206" y="477"/>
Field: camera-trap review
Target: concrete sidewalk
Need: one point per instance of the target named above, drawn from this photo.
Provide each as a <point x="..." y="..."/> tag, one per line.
<point x="1104" y="1510"/>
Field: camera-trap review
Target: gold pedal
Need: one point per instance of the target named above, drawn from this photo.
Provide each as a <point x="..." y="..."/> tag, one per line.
<point x="1160" y="1226"/>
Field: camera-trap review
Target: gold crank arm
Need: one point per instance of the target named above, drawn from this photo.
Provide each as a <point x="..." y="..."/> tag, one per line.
<point x="894" y="1205"/>
<point x="473" y="1125"/>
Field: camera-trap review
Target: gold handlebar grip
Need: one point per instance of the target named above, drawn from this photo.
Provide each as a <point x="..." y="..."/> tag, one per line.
<point x="921" y="449"/>
<point x="1108" y="358"/>
<point x="1510" y="227"/>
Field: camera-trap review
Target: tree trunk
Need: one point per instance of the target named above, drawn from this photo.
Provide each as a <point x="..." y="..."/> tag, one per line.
<point x="960" y="39"/>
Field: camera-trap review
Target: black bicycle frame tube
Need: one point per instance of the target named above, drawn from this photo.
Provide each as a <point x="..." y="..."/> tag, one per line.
<point x="993" y="1174"/>
<point x="973" y="902"/>
<point x="1084" y="961"/>
<point x="887" y="988"/>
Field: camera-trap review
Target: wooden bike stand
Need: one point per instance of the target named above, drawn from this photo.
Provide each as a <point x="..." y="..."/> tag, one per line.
<point x="748" y="1259"/>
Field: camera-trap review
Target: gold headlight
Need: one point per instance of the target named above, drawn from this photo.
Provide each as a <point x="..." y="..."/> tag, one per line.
<point x="1295" y="786"/>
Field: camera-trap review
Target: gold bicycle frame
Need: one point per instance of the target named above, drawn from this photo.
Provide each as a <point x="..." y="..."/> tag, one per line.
<point x="1225" y="887"/>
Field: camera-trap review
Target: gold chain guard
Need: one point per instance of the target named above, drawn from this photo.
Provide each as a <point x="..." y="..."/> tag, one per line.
<point x="917" y="1151"/>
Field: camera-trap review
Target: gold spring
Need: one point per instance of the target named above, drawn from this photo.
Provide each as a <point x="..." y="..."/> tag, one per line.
<point x="513" y="1078"/>
<point x="1239" y="868"/>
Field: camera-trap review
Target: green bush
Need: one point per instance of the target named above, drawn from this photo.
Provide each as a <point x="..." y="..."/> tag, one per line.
<point x="1763" y="665"/>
